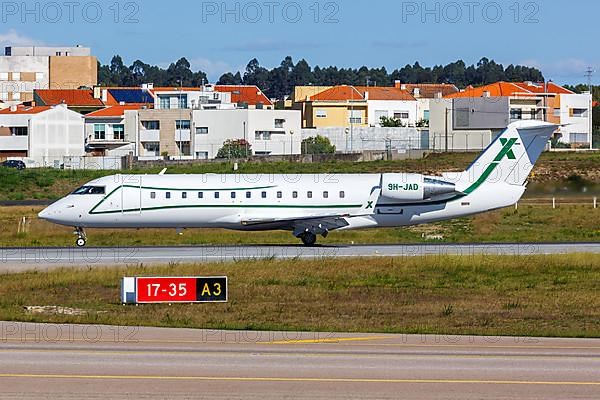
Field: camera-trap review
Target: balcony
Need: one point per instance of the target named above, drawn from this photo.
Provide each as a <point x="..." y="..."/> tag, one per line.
<point x="183" y="135"/>
<point x="14" y="143"/>
<point x="149" y="135"/>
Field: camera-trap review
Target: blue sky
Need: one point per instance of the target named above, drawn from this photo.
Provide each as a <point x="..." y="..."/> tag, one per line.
<point x="560" y="37"/>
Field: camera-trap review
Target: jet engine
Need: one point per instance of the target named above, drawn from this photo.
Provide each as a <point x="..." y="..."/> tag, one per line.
<point x="416" y="188"/>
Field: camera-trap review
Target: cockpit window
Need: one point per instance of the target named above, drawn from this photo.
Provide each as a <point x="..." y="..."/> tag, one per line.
<point x="90" y="190"/>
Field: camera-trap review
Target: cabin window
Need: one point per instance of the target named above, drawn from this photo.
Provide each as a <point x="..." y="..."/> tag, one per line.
<point x="200" y="195"/>
<point x="152" y="195"/>
<point x="295" y="195"/>
<point x="325" y="195"/>
<point x="184" y="195"/>
<point x="342" y="195"/>
<point x="248" y="195"/>
<point x="279" y="195"/>
<point x="309" y="195"/>
<point x="216" y="195"/>
<point x="264" y="195"/>
<point x="168" y="195"/>
<point x="233" y="195"/>
<point x="90" y="190"/>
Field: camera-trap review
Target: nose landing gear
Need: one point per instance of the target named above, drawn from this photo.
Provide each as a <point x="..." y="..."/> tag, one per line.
<point x="81" y="238"/>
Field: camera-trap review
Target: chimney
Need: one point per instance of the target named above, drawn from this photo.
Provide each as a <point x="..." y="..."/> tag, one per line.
<point x="397" y="84"/>
<point x="366" y="95"/>
<point x="97" y="92"/>
<point x="417" y="92"/>
<point x="13" y="108"/>
<point x="104" y="95"/>
<point x="486" y="93"/>
<point x="438" y="95"/>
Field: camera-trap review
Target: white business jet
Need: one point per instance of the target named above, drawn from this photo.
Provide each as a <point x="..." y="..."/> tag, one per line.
<point x="307" y="205"/>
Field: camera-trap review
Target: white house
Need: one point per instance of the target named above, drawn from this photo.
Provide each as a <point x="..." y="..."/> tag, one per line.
<point x="270" y="132"/>
<point x="112" y="131"/>
<point x="574" y="112"/>
<point x="391" y="102"/>
<point x="41" y="136"/>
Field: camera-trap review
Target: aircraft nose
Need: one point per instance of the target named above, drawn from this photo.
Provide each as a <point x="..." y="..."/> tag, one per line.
<point x="45" y="213"/>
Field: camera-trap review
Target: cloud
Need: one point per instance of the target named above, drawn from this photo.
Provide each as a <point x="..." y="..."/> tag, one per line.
<point x="568" y="68"/>
<point x="13" y="38"/>
<point x="269" y="45"/>
<point x="400" y="44"/>
<point x="213" y="68"/>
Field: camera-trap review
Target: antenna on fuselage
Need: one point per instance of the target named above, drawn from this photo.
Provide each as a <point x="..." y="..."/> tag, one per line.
<point x="163" y="171"/>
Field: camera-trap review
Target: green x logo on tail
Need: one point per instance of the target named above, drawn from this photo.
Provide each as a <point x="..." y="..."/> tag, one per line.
<point x="506" y="151"/>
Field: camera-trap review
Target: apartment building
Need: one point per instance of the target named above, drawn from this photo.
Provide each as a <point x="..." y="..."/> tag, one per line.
<point x="26" y="68"/>
<point x="425" y="93"/>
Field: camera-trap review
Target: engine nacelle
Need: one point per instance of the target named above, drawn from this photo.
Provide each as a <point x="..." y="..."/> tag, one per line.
<point x="415" y="187"/>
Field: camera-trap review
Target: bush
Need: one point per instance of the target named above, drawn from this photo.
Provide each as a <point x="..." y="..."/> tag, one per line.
<point x="239" y="148"/>
<point x="317" y="145"/>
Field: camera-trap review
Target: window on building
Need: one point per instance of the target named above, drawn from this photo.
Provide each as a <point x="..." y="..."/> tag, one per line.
<point x="202" y="155"/>
<point x="152" y="147"/>
<point x="151" y="125"/>
<point x="578" y="112"/>
<point x="401" y="114"/>
<point x="321" y="113"/>
<point x="184" y="195"/>
<point x="516" y="113"/>
<point x="557" y="112"/>
<point x="3" y="76"/>
<point x="182" y="101"/>
<point x="164" y="102"/>
<point x="19" y="131"/>
<point x="183" y="124"/>
<point x="309" y="195"/>
<point x="153" y="195"/>
<point x="39" y="76"/>
<point x="355" y="116"/>
<point x="342" y="194"/>
<point x="168" y="195"/>
<point x="279" y="195"/>
<point x="99" y="131"/>
<point x="426" y="115"/>
<point x="16" y="96"/>
<point x="279" y="122"/>
<point x="295" y="195"/>
<point x="59" y="53"/>
<point x="263" y="195"/>
<point x="356" y="120"/>
<point x="119" y="132"/>
<point x="202" y="130"/>
<point x="16" y="76"/>
<point x="325" y="195"/>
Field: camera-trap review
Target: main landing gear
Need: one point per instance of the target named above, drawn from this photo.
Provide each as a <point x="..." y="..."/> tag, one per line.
<point x="81" y="238"/>
<point x="308" y="238"/>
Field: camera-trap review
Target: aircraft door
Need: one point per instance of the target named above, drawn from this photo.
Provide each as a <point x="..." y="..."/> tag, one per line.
<point x="131" y="194"/>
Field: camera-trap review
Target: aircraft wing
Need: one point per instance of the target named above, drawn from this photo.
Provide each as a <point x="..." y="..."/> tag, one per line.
<point x="318" y="224"/>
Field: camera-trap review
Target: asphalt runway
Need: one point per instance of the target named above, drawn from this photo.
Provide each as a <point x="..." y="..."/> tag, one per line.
<point x="94" y="362"/>
<point x="21" y="259"/>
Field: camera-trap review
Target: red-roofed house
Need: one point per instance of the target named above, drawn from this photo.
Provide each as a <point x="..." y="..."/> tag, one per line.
<point x="112" y="130"/>
<point x="470" y="119"/>
<point x="41" y="135"/>
<point x="353" y="106"/>
<point x="80" y="100"/>
<point x="246" y="96"/>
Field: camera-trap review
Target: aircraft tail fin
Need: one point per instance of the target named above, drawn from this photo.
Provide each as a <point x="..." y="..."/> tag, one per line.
<point x="510" y="157"/>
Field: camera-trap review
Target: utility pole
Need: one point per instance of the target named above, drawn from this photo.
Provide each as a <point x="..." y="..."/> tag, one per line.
<point x="589" y="73"/>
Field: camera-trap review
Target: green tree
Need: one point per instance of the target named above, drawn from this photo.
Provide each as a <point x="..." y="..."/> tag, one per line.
<point x="317" y="145"/>
<point x="388" y="122"/>
<point x="238" y="148"/>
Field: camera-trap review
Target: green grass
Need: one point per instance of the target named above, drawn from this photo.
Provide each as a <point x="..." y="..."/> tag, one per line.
<point x="528" y="224"/>
<point x="53" y="184"/>
<point x="492" y="295"/>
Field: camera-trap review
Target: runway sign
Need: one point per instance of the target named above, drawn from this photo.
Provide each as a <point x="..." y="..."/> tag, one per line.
<point x="149" y="290"/>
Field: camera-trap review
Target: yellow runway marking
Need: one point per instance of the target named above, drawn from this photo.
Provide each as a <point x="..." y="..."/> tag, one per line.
<point x="282" y="379"/>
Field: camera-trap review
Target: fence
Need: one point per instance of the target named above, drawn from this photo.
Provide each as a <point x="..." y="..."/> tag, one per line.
<point x="360" y="139"/>
<point x="557" y="202"/>
<point x="75" y="162"/>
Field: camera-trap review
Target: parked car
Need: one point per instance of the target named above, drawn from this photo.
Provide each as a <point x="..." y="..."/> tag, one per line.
<point x="17" y="164"/>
